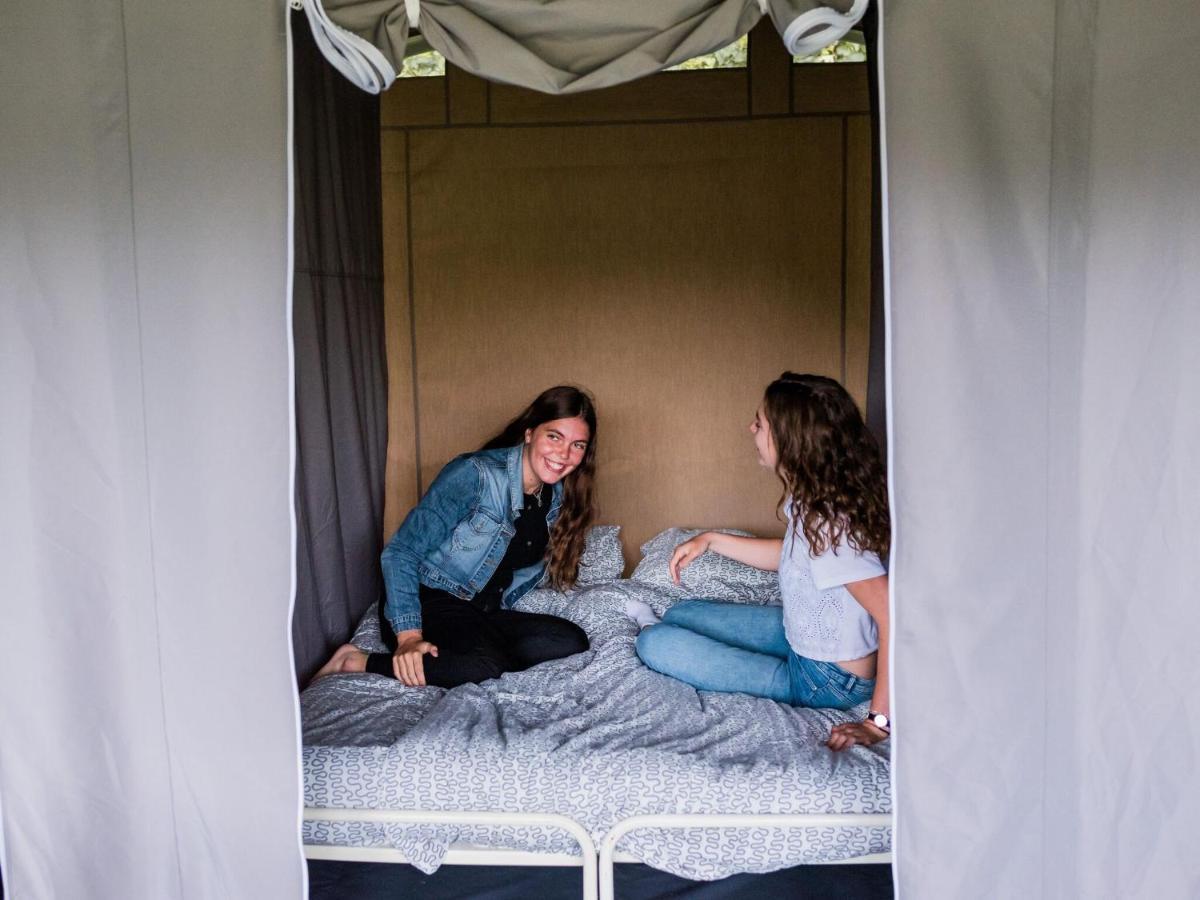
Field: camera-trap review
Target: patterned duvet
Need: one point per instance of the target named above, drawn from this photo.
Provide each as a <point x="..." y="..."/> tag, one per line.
<point x="597" y="737"/>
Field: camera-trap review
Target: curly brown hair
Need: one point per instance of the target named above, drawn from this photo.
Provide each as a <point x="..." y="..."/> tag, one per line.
<point x="829" y="464"/>
<point x="578" y="504"/>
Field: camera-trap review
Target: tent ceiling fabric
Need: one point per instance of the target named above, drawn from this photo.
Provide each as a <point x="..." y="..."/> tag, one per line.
<point x="564" y="47"/>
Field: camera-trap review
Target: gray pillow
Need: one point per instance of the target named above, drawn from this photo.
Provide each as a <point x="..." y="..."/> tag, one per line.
<point x="602" y="559"/>
<point x="711" y="576"/>
<point x="367" y="635"/>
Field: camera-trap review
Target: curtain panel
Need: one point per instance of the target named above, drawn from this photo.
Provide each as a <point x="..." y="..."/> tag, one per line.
<point x="148" y="721"/>
<point x="340" y="362"/>
<point x="1044" y="302"/>
<point x="564" y="47"/>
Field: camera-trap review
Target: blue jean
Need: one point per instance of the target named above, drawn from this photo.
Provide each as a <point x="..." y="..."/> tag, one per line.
<point x="736" y="648"/>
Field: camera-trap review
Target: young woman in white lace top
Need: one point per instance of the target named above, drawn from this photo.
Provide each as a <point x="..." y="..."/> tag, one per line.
<point x="826" y="646"/>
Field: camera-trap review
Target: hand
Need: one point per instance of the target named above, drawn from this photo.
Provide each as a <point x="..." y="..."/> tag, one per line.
<point x="408" y="663"/>
<point x="686" y="552"/>
<point x="850" y="733"/>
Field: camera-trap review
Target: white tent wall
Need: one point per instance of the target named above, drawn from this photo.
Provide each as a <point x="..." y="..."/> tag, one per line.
<point x="1044" y="292"/>
<point x="147" y="705"/>
<point x="1042" y="184"/>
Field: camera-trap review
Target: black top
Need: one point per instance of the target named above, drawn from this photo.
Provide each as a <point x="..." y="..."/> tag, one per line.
<point x="528" y="546"/>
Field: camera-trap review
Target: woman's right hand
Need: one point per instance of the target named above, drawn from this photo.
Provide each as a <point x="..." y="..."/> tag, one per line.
<point x="686" y="552"/>
<point x="408" y="663"/>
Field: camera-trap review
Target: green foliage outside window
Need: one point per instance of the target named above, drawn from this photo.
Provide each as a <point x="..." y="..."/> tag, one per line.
<point x="837" y="52"/>
<point x="424" y="65"/>
<point x="731" y="57"/>
<point x="432" y="64"/>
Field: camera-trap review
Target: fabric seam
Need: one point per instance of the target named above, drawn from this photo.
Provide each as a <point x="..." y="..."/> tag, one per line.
<point x="137" y="302"/>
<point x="290" y="238"/>
<point x="889" y="417"/>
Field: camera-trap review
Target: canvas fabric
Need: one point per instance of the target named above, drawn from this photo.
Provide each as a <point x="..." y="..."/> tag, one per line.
<point x="147" y="702"/>
<point x="1044" y="301"/>
<point x="559" y="48"/>
<point x="340" y="361"/>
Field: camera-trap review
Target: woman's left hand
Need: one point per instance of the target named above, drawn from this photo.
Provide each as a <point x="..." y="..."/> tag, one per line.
<point x="850" y="733"/>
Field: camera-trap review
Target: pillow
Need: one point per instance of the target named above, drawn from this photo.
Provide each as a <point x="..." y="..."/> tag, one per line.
<point x="710" y="576"/>
<point x="367" y="635"/>
<point x="602" y="559"/>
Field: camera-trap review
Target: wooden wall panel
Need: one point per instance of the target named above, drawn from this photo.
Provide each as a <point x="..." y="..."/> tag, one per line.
<point x="770" y="72"/>
<point x="830" y="88"/>
<point x="707" y="94"/>
<point x="413" y="101"/>
<point x="401" y="469"/>
<point x="466" y="97"/>
<point x="672" y="269"/>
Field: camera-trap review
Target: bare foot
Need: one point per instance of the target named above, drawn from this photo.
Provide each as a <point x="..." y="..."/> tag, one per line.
<point x="346" y="658"/>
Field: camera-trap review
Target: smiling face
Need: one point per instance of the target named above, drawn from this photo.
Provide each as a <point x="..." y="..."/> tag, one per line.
<point x="763" y="442"/>
<point x="553" y="450"/>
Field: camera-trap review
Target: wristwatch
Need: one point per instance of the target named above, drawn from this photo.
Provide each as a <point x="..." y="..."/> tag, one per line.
<point x="880" y="721"/>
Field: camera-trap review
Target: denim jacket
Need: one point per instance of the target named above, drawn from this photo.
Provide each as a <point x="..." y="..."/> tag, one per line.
<point x="456" y="536"/>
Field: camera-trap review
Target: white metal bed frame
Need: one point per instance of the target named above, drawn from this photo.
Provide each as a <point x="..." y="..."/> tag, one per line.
<point x="598" y="867"/>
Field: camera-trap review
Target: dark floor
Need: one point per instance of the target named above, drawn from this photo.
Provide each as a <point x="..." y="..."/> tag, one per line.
<point x="375" y="881"/>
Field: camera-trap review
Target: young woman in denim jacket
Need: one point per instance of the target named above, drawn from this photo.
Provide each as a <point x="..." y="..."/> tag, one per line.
<point x="826" y="646"/>
<point x="494" y="524"/>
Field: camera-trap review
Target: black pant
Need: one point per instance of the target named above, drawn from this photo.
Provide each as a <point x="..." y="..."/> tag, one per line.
<point x="474" y="645"/>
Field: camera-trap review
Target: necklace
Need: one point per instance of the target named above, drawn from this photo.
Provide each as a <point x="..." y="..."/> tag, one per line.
<point x="536" y="494"/>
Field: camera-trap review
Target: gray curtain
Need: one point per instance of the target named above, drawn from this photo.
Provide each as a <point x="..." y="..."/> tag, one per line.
<point x="1045" y="304"/>
<point x="341" y="377"/>
<point x="876" y="411"/>
<point x="563" y="47"/>
<point x="148" y="721"/>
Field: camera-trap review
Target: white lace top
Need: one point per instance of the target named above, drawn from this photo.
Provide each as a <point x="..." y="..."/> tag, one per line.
<point x="821" y="619"/>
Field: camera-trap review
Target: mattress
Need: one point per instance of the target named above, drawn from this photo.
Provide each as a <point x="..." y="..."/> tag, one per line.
<point x="597" y="737"/>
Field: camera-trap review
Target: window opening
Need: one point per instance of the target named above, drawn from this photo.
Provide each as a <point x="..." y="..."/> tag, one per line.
<point x="429" y="64"/>
<point x="731" y="57"/>
<point x="424" y="62"/>
<point x="851" y="50"/>
<point x="421" y="60"/>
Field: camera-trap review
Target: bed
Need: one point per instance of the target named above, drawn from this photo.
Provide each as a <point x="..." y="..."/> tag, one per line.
<point x="596" y="748"/>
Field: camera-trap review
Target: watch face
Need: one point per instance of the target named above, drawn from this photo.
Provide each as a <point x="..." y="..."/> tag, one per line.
<point x="880" y="719"/>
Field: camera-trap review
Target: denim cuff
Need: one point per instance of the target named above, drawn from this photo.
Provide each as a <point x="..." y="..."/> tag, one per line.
<point x="405" y="623"/>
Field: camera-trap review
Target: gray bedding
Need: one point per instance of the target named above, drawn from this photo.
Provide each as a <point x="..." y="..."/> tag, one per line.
<point x="597" y="737"/>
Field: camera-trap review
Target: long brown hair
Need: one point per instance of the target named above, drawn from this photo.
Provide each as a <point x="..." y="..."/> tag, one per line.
<point x="829" y="464"/>
<point x="578" y="504"/>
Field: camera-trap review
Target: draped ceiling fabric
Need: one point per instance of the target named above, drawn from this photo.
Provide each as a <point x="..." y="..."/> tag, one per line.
<point x="148" y="734"/>
<point x="1044" y="228"/>
<point x="561" y="47"/>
